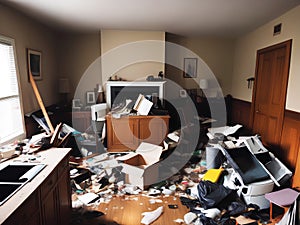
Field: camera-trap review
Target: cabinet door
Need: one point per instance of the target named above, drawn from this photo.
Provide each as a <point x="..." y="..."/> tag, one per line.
<point x="153" y="129"/>
<point x="64" y="197"/>
<point x="49" y="209"/>
<point x="122" y="134"/>
<point x="48" y="199"/>
<point x="27" y="214"/>
<point x="34" y="220"/>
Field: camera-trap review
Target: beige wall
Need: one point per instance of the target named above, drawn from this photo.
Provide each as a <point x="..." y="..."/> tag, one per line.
<point x="64" y="55"/>
<point x="245" y="56"/>
<point x="31" y="34"/>
<point x="118" y="43"/>
<point x="215" y="59"/>
<point x="78" y="60"/>
<point x="75" y="55"/>
<point x="70" y="55"/>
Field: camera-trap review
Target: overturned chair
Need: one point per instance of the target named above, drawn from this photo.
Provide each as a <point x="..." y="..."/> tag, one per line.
<point x="97" y="130"/>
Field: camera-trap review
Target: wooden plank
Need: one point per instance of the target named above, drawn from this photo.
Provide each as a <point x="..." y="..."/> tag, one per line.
<point x="40" y="102"/>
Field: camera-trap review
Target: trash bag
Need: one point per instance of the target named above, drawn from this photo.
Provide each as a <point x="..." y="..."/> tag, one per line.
<point x="213" y="195"/>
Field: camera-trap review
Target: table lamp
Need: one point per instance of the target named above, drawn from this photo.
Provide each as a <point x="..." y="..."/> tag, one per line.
<point x="64" y="90"/>
<point x="203" y="84"/>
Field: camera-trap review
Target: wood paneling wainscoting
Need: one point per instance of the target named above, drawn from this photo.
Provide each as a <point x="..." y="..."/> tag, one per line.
<point x="240" y="112"/>
<point x="290" y="139"/>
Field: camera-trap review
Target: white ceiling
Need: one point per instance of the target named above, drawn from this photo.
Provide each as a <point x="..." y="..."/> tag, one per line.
<point x="226" y="18"/>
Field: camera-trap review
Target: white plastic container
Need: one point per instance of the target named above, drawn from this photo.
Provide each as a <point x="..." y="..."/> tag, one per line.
<point x="6" y="152"/>
<point x="259" y="200"/>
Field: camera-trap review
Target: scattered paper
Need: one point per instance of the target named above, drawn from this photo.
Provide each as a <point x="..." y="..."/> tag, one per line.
<point x="209" y="121"/>
<point x="87" y="198"/>
<point x="180" y="221"/>
<point x="150" y="217"/>
<point x="226" y="130"/>
<point x="150" y="152"/>
<point x="142" y="105"/>
<point x="173" y="137"/>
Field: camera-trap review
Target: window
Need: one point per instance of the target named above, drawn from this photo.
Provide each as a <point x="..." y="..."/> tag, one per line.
<point x="11" y="112"/>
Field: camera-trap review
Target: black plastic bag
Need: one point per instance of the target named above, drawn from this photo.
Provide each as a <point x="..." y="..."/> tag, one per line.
<point x="212" y="195"/>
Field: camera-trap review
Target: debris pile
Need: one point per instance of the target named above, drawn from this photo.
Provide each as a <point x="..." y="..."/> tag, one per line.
<point x="212" y="196"/>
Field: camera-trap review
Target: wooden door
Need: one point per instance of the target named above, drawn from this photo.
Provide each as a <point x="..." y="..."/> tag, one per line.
<point x="267" y="109"/>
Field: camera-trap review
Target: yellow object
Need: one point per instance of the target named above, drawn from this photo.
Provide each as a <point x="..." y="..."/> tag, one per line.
<point x="212" y="175"/>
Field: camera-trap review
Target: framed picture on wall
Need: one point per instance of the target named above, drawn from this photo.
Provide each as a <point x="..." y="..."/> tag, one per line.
<point x="76" y="103"/>
<point x="190" y="67"/>
<point x="34" y="61"/>
<point x="90" y="97"/>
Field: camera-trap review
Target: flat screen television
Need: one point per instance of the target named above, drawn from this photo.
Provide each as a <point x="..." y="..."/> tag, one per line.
<point x="118" y="91"/>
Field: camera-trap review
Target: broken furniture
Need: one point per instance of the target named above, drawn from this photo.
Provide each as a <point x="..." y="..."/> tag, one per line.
<point x="97" y="129"/>
<point x="250" y="178"/>
<point x="91" y="140"/>
<point x="278" y="172"/>
<point x="256" y="174"/>
<point x="127" y="132"/>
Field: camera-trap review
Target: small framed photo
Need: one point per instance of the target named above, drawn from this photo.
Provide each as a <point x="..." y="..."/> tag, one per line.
<point x="34" y="61"/>
<point x="76" y="103"/>
<point x="190" y="67"/>
<point x="90" y="97"/>
<point x="182" y="93"/>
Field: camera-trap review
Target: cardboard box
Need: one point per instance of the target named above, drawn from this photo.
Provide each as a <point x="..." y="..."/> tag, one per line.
<point x="141" y="166"/>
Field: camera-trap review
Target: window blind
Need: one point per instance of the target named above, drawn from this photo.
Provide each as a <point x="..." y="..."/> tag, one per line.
<point x="11" y="113"/>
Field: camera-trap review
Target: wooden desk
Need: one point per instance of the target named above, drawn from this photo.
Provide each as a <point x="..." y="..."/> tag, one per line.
<point x="46" y="199"/>
<point x="127" y="132"/>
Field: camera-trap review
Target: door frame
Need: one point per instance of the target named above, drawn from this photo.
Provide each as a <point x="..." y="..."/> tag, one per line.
<point x="288" y="45"/>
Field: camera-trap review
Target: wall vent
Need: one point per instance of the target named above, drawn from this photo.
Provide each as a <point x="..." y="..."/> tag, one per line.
<point x="277" y="29"/>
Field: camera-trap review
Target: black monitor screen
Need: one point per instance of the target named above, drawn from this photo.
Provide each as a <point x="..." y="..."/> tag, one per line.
<point x="119" y="94"/>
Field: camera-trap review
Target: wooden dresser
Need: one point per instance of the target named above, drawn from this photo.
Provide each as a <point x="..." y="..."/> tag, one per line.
<point x="46" y="199"/>
<point x="127" y="132"/>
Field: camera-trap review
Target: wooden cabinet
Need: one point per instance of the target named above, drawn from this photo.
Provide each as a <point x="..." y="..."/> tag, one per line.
<point x="55" y="196"/>
<point x="127" y="132"/>
<point x="46" y="200"/>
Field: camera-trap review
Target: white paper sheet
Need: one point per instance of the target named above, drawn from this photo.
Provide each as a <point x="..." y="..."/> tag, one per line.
<point x="142" y="105"/>
<point x="226" y="130"/>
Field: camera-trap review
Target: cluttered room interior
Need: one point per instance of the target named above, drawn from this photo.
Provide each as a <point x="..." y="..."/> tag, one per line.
<point x="126" y="126"/>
